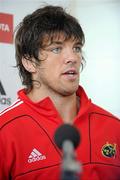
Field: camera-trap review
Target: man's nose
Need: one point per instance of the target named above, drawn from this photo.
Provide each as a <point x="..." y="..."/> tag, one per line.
<point x="70" y="57"/>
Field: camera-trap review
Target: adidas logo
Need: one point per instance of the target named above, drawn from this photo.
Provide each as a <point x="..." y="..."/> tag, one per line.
<point x="35" y="156"/>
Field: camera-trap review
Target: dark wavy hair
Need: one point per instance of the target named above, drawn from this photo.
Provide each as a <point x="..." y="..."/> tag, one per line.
<point x="48" y="21"/>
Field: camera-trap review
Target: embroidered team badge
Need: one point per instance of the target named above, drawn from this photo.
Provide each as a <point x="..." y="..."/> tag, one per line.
<point x="109" y="150"/>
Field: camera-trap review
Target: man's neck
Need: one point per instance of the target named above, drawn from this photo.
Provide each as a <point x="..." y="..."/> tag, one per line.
<point x="67" y="106"/>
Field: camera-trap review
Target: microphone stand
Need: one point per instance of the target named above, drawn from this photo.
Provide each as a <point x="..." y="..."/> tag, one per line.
<point x="70" y="167"/>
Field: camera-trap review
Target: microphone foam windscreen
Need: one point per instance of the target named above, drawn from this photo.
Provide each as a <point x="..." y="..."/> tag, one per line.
<point x="67" y="132"/>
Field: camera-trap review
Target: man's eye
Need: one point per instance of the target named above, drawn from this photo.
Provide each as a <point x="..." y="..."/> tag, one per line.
<point x="56" y="50"/>
<point x="77" y="49"/>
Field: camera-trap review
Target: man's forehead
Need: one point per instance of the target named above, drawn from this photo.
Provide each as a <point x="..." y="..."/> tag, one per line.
<point x="59" y="37"/>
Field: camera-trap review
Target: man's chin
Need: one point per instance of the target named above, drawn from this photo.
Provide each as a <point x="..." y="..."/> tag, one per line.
<point x="69" y="92"/>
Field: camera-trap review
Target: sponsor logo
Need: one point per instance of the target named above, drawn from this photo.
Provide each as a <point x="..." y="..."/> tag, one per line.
<point x="109" y="150"/>
<point x="6" y="28"/>
<point x="35" y="155"/>
<point x="4" y="100"/>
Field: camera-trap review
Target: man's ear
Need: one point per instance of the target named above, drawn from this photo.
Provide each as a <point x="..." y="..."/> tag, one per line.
<point x="29" y="65"/>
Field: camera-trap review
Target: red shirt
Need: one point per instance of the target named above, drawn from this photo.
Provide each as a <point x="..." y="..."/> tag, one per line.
<point x="28" y="151"/>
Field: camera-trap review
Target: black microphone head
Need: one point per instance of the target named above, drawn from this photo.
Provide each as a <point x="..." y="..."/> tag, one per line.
<point x="67" y="132"/>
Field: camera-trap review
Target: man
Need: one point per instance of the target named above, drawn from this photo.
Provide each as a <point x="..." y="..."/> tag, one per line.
<point x="49" y="58"/>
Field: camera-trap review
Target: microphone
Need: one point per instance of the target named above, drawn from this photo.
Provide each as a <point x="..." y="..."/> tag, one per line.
<point x="67" y="138"/>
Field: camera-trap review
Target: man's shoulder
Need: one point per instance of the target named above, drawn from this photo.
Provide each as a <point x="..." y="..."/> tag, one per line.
<point x="10" y="112"/>
<point x="99" y="111"/>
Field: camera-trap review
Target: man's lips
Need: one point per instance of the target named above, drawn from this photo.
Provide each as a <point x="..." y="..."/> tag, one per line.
<point x="70" y="72"/>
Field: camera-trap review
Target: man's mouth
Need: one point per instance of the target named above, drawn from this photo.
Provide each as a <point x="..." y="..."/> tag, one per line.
<point x="71" y="74"/>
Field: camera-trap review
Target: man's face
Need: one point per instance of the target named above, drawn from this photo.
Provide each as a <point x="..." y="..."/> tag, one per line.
<point x="59" y="70"/>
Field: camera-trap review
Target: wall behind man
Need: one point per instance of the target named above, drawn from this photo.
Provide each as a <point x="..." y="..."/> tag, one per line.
<point x="100" y="22"/>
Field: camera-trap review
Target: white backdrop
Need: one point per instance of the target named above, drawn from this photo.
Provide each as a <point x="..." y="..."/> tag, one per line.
<point x="101" y="24"/>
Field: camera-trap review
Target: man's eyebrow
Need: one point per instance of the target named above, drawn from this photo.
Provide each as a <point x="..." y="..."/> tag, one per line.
<point x="77" y="43"/>
<point x="57" y="42"/>
<point x="53" y="43"/>
<point x="60" y="42"/>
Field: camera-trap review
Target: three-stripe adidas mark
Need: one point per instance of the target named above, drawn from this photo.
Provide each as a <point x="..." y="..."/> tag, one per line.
<point x="35" y="156"/>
